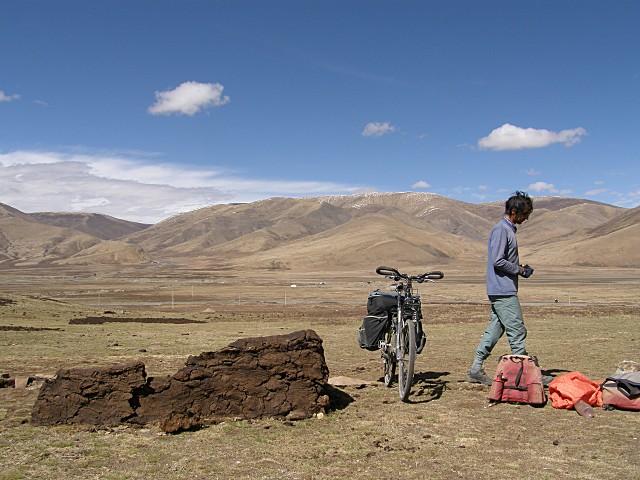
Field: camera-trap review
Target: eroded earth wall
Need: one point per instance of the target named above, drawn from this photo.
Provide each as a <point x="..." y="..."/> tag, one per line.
<point x="278" y="376"/>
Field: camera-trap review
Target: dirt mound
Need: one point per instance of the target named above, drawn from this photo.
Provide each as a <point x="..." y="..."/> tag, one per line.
<point x="18" y="328"/>
<point x="101" y="320"/>
<point x="103" y="396"/>
<point x="281" y="376"/>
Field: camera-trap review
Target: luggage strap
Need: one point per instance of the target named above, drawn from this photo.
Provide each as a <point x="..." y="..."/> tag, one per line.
<point x="628" y="388"/>
<point x="516" y="385"/>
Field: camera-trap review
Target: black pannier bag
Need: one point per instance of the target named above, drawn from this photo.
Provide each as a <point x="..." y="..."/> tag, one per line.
<point x="380" y="306"/>
<point x="381" y="302"/>
<point x="372" y="331"/>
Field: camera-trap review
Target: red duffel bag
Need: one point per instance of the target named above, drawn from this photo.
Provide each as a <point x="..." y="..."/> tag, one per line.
<point x="518" y="379"/>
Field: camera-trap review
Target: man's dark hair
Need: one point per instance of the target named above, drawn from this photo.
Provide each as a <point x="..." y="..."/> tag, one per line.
<point x="520" y="202"/>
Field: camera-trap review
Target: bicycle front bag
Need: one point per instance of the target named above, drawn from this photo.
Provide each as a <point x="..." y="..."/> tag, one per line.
<point x="372" y="331"/>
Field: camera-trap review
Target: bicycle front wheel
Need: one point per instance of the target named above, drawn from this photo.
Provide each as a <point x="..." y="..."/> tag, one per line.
<point x="389" y="357"/>
<point x="407" y="357"/>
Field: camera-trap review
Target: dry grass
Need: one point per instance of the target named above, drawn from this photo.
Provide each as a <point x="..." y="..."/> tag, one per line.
<point x="447" y="430"/>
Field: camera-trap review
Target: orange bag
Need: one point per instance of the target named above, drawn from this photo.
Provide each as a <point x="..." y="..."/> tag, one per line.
<point x="565" y="391"/>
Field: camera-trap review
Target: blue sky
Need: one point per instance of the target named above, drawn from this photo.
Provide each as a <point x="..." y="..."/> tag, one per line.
<point x="146" y="109"/>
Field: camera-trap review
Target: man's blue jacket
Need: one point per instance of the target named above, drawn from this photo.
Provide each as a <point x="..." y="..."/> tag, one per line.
<point x="503" y="264"/>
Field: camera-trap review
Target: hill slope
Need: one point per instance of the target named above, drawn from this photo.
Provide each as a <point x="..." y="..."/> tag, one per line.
<point x="356" y="229"/>
<point x="343" y="232"/>
<point x="26" y="242"/>
<point x="94" y="224"/>
<point x="613" y="243"/>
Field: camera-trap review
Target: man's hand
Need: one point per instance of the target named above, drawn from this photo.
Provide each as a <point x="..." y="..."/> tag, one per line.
<point x="527" y="271"/>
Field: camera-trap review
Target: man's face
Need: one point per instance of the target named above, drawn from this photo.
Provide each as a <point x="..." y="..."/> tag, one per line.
<point x="518" y="218"/>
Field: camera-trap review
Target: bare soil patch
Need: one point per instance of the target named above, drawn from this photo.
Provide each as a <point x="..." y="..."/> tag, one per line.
<point x="13" y="328"/>
<point x="102" y="320"/>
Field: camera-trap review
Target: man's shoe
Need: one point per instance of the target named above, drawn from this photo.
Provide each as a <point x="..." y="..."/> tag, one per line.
<point x="546" y="379"/>
<point x="479" y="376"/>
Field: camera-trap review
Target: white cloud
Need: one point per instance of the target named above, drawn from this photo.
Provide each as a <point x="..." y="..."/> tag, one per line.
<point x="8" y="98"/>
<point x="544" y="187"/>
<point x="460" y="190"/>
<point x="510" y="137"/>
<point x="132" y="187"/>
<point x="188" y="99"/>
<point x="377" y="129"/>
<point x="596" y="191"/>
<point x="532" y="172"/>
<point x="420" y="184"/>
<point x="479" y="196"/>
<point x="483" y="188"/>
<point x="630" y="199"/>
<point x="635" y="195"/>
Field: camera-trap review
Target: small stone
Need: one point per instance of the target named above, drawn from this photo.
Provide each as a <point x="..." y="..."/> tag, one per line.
<point x="21" y="382"/>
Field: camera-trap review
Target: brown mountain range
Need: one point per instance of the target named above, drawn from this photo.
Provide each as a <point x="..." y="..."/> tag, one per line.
<point x="25" y="240"/>
<point x="331" y="232"/>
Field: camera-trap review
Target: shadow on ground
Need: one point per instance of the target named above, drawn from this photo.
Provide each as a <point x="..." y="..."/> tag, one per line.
<point x="426" y="386"/>
<point x="338" y="399"/>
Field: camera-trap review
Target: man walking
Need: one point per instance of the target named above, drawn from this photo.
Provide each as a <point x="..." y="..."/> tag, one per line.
<point x="503" y="270"/>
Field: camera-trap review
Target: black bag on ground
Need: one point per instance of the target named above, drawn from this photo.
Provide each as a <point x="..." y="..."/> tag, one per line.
<point x="372" y="331"/>
<point x="381" y="302"/>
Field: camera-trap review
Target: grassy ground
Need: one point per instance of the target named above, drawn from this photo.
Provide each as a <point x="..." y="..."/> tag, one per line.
<point x="446" y="430"/>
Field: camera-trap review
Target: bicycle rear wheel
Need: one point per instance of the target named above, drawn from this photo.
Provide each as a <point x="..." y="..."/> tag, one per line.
<point x="389" y="357"/>
<point x="407" y="358"/>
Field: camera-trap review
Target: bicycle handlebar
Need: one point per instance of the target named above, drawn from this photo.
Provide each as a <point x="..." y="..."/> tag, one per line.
<point x="437" y="275"/>
<point x="396" y="275"/>
<point x="388" y="271"/>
